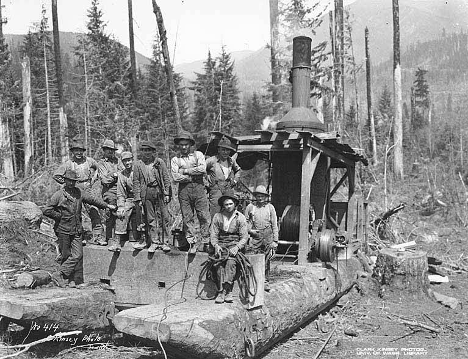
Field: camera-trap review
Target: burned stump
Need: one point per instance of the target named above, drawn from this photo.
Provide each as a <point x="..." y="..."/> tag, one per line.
<point x="402" y="271"/>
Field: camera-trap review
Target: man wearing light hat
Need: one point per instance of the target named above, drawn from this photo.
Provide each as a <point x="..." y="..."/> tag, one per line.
<point x="263" y="227"/>
<point x="188" y="170"/>
<point x="108" y="168"/>
<point x="65" y="208"/>
<point x="222" y="171"/>
<point x="152" y="188"/>
<point x="125" y="204"/>
<point x="86" y="170"/>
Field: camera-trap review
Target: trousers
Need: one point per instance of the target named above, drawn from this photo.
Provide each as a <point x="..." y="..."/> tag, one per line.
<point x="192" y="198"/>
<point x="71" y="249"/>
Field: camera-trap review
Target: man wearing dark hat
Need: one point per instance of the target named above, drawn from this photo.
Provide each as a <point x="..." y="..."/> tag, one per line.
<point x="125" y="204"/>
<point x="86" y="169"/>
<point x="65" y="208"/>
<point x="108" y="168"/>
<point x="263" y="228"/>
<point x="152" y="188"/>
<point x="228" y="234"/>
<point x="188" y="170"/>
<point x="222" y="171"/>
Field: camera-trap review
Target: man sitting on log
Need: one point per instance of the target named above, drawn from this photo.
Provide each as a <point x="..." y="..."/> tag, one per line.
<point x="65" y="208"/>
<point x="228" y="236"/>
<point x="263" y="228"/>
<point x="86" y="169"/>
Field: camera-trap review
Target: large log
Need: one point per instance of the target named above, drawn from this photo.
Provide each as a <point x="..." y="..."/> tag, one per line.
<point x="33" y="279"/>
<point x="402" y="271"/>
<point x="12" y="211"/>
<point x="67" y="308"/>
<point x="202" y="329"/>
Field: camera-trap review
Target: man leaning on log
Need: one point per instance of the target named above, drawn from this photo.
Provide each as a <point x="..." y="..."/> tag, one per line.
<point x="65" y="209"/>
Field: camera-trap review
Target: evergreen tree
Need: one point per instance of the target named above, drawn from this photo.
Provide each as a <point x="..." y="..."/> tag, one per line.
<point x="421" y="99"/>
<point x="107" y="104"/>
<point x="228" y="94"/>
<point x="217" y="103"/>
<point x="253" y="115"/>
<point x="385" y="103"/>
<point x="205" y="99"/>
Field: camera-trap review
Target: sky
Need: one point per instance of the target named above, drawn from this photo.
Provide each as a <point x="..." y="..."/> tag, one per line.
<point x="193" y="26"/>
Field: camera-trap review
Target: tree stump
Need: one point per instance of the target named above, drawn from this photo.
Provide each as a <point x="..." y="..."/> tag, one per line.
<point x="402" y="271"/>
<point x="11" y="211"/>
<point x="33" y="279"/>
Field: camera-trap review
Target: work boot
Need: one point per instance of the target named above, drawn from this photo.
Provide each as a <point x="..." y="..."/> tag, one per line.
<point x="220" y="298"/>
<point x="114" y="248"/>
<point x="165" y="248"/>
<point x="153" y="247"/>
<point x="58" y="279"/>
<point x="139" y="246"/>
<point x="71" y="284"/>
<point x="228" y="293"/>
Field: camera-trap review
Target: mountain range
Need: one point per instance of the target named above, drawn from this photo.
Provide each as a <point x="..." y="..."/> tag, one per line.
<point x="420" y="20"/>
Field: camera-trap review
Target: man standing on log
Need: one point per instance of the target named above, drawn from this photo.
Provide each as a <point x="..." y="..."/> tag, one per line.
<point x="125" y="204"/>
<point x="263" y="228"/>
<point x="65" y="208"/>
<point x="152" y="189"/>
<point x="223" y="173"/>
<point x="228" y="236"/>
<point x="188" y="169"/>
<point x="108" y="169"/>
<point x="86" y="169"/>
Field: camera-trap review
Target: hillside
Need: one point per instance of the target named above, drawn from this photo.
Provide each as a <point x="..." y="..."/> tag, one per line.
<point x="68" y="42"/>
<point x="420" y="21"/>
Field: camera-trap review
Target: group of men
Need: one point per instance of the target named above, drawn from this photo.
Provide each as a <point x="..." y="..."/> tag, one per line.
<point x="136" y="194"/>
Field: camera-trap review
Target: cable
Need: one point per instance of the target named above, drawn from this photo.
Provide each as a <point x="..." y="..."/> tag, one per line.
<point x="166" y="305"/>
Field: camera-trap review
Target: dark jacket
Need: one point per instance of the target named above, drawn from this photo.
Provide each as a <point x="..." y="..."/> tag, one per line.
<point x="65" y="208"/>
<point x="141" y="179"/>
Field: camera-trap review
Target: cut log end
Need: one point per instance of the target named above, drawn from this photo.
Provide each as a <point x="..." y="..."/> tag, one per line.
<point x="33" y="279"/>
<point x="402" y="271"/>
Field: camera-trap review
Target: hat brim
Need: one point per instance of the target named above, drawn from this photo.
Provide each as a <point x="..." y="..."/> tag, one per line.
<point x="71" y="179"/>
<point x="77" y="148"/>
<point x="228" y="147"/>
<point x="223" y="198"/>
<point x="177" y="140"/>
<point x="263" y="193"/>
<point x="110" y="148"/>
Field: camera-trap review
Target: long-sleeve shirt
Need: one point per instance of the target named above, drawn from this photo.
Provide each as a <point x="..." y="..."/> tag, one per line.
<point x="261" y="217"/>
<point x="85" y="170"/>
<point x="141" y="178"/>
<point x="65" y="208"/>
<point x="184" y="168"/>
<point x="236" y="227"/>
<point x="124" y="187"/>
<point x="106" y="169"/>
<point x="217" y="172"/>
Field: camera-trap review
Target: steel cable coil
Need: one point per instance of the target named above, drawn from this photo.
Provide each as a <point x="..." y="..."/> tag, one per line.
<point x="290" y="223"/>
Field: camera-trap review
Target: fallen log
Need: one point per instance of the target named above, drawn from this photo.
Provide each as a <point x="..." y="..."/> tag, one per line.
<point x="33" y="279"/>
<point x="388" y="214"/>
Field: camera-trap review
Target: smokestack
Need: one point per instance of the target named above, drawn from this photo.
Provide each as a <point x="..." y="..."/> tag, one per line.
<point x="301" y="117"/>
